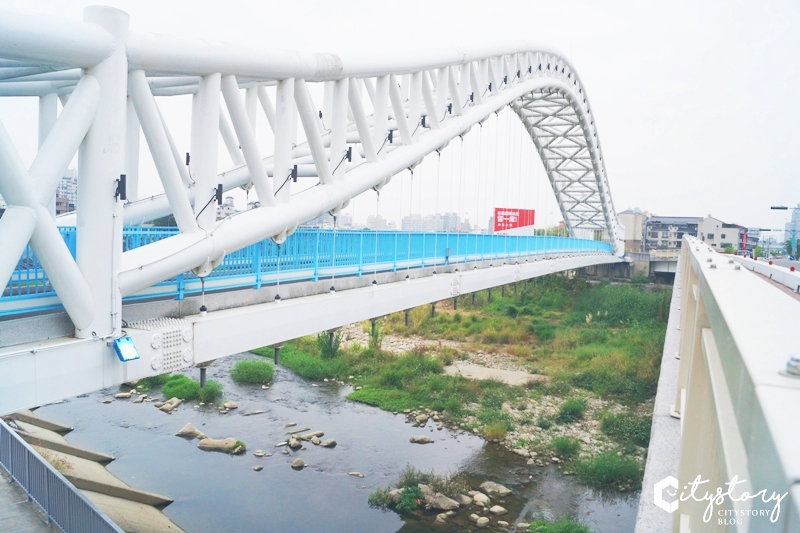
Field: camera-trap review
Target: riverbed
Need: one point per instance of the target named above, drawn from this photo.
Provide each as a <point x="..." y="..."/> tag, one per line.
<point x="214" y="492"/>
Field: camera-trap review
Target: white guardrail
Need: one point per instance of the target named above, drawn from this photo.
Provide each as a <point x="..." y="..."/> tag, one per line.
<point x="737" y="399"/>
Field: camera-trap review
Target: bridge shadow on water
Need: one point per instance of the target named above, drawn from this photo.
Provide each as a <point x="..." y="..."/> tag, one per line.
<point x="215" y="492"/>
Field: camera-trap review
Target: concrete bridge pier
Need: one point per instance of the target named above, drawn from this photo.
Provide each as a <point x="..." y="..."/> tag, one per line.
<point x="455" y="303"/>
<point x="406" y="313"/>
<point x="433" y="309"/>
<point x="277" y="353"/>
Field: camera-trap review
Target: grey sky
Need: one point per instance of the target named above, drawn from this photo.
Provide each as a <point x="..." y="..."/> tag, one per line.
<point x="695" y="101"/>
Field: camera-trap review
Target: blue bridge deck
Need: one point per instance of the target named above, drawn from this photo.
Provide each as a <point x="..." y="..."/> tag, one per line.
<point x="307" y="255"/>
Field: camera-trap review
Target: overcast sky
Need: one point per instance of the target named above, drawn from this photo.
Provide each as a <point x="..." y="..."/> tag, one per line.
<point x="696" y="102"/>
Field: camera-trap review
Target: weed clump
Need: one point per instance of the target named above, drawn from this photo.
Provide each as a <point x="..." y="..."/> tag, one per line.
<point x="566" y="447"/>
<point x="495" y="430"/>
<point x="571" y="411"/>
<point x="627" y="428"/>
<point x="236" y="448"/>
<point x="181" y="386"/>
<point x="611" y="471"/>
<point x="329" y="346"/>
<point x="252" y="371"/>
<point x="410" y="499"/>
<point x="210" y="392"/>
<point x="145" y="384"/>
<point x="565" y="525"/>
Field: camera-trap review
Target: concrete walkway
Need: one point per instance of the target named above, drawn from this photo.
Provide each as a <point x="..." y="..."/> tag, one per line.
<point x="17" y="514"/>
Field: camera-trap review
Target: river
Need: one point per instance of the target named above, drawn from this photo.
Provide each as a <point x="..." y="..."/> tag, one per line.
<point x="214" y="492"/>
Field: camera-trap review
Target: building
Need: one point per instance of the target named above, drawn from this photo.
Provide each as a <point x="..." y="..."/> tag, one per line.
<point x="666" y="233"/>
<point x="721" y="235"/>
<point x="792" y="229"/>
<point x="67" y="192"/>
<point x="447" y="222"/>
<point x="376" y="222"/>
<point x="634" y="221"/>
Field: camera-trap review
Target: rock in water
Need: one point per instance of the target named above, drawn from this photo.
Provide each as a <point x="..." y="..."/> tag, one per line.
<point x="420" y="439"/>
<point x="315" y="441"/>
<point x="298" y="464"/>
<point x="122" y="395"/>
<point x="497" y="510"/>
<point x="259" y="453"/>
<point x="190" y="432"/>
<point x="309" y="436"/>
<point x="140" y="399"/>
<point x="106" y="400"/>
<point x="394" y="495"/>
<point x="495" y="488"/>
<point x="217" y="445"/>
<point x="442" y="502"/>
<point x="330" y="443"/>
<point x="290" y="424"/>
<point x="480" y="498"/>
<point x="294" y="443"/>
<point x="463" y="499"/>
<point x="421" y="419"/>
<point x="502" y="523"/>
<point x="258" y="468"/>
<point x="355" y="474"/>
<point x="482" y="522"/>
<point x="229" y="405"/>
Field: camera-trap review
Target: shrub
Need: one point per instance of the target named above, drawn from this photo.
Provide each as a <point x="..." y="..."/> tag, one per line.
<point x="328" y="349"/>
<point x="544" y="331"/>
<point x="210" y="392"/>
<point x="571" y="410"/>
<point x="544" y="422"/>
<point x="239" y="447"/>
<point x="565" y="525"/>
<point x="627" y="428"/>
<point x="566" y="446"/>
<point x="610" y="470"/>
<point x="410" y="499"/>
<point x="411" y="476"/>
<point x="252" y="371"/>
<point x="496" y="430"/>
<point x="379" y="499"/>
<point x="512" y="311"/>
<point x="449" y="484"/>
<point x="181" y="386"/>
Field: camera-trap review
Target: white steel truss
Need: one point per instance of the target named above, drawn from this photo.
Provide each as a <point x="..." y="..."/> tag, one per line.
<point x="380" y="116"/>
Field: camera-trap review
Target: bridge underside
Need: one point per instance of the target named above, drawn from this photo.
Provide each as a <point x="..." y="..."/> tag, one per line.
<point x="171" y="335"/>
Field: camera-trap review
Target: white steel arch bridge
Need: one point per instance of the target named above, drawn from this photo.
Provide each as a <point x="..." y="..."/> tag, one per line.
<point x="382" y="115"/>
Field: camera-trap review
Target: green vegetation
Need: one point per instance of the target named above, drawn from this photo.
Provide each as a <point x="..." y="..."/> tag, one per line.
<point x="145" y="384"/>
<point x="495" y="430"/>
<point x="410" y="499"/>
<point x="565" y="525"/>
<point x="571" y="410"/>
<point x="610" y="470"/>
<point x="566" y="447"/>
<point x="627" y="428"/>
<point x="328" y="345"/>
<point x="237" y="447"/>
<point x="252" y="371"/>
<point x="379" y="498"/>
<point x="185" y="388"/>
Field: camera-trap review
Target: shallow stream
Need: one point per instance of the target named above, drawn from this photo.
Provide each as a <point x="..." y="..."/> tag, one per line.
<point x="214" y="492"/>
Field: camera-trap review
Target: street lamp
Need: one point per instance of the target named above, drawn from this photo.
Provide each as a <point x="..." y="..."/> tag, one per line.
<point x="794" y="228"/>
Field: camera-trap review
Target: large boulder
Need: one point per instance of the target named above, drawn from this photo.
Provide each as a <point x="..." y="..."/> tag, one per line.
<point x="298" y="464"/>
<point x="420" y="439"/>
<point x="492" y="488"/>
<point x="294" y="443"/>
<point x="229" y="405"/>
<point x="217" y="445"/>
<point x="395" y="495"/>
<point x="329" y="443"/>
<point x="190" y="432"/>
<point x="170" y="405"/>
<point x="482" y="522"/>
<point x="480" y="498"/>
<point x="442" y="502"/>
<point x="497" y="510"/>
<point x="463" y="499"/>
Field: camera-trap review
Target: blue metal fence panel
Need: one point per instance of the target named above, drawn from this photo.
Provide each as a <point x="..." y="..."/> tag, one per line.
<point x="308" y="254"/>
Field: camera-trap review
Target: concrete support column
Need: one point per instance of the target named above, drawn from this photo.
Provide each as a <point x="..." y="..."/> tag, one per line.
<point x="490" y="295"/>
<point x="202" y="377"/>
<point x="406" y="313"/>
<point x="373" y="325"/>
<point x="48" y="112"/>
<point x="277" y="353"/>
<point x="100" y="163"/>
<point x="473" y="298"/>
<point x="433" y="309"/>
<point x="455" y="303"/>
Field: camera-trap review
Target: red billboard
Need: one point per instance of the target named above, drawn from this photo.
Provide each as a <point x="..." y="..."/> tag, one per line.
<point x="509" y="217"/>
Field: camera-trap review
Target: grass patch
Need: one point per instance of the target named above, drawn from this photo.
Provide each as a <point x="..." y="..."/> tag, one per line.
<point x="145" y="384"/>
<point x="495" y="430"/>
<point x="565" y="525"/>
<point x="566" y="447"/>
<point x="379" y="499"/>
<point x="252" y="371"/>
<point x="181" y="386"/>
<point x="571" y="411"/>
<point x="210" y="392"/>
<point x="610" y="470"/>
<point x="328" y="345"/>
<point x="627" y="428"/>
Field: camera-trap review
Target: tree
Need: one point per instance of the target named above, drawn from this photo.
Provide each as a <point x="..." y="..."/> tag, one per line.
<point x="729" y="250"/>
<point x="788" y="246"/>
<point x="757" y="251"/>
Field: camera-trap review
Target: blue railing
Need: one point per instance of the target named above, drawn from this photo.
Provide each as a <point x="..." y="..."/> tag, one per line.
<point x="309" y="254"/>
